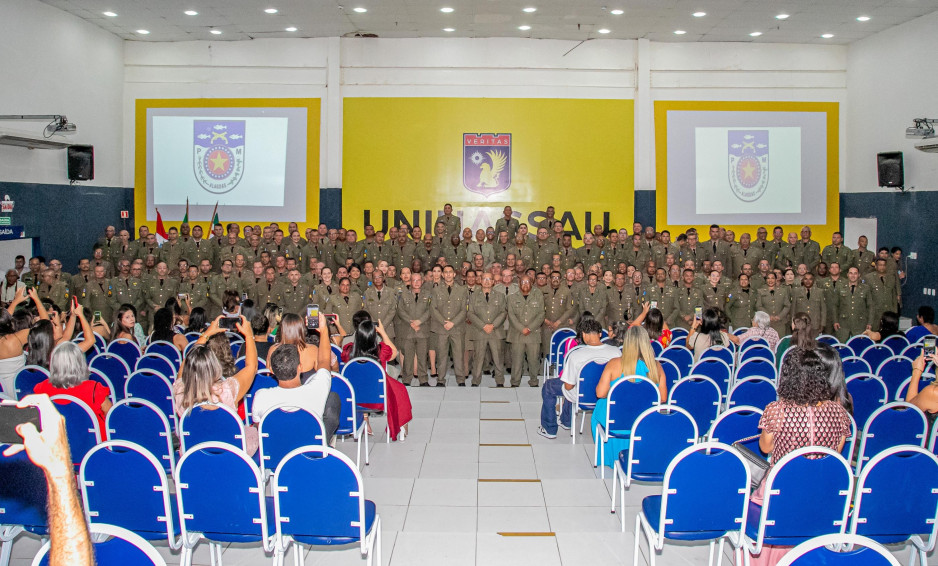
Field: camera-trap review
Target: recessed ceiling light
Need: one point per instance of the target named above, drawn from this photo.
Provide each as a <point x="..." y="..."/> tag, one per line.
<point x="110" y="14"/>
<point x="529" y="10"/>
<point x="755" y="34"/>
<point x="863" y="18"/>
<point x="360" y="10"/>
<point x="781" y="17"/>
<point x="616" y="12"/>
<point x="827" y="35"/>
<point x="143" y="31"/>
<point x="604" y="30"/>
<point x="699" y="14"/>
<point x="679" y="32"/>
<point x="524" y="28"/>
<point x="291" y="28"/>
<point x="215" y="31"/>
<point x="270" y="11"/>
<point x="191" y="13"/>
<point x="449" y="29"/>
<point x="446" y="10"/>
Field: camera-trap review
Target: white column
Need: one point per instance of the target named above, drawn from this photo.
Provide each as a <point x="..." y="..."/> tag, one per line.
<point x="644" y="120"/>
<point x="331" y="138"/>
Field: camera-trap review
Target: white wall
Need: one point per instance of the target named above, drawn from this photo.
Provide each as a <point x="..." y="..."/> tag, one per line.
<point x="892" y="78"/>
<point x="56" y="63"/>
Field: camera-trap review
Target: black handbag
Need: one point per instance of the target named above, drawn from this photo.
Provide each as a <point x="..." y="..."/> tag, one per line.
<point x="758" y="466"/>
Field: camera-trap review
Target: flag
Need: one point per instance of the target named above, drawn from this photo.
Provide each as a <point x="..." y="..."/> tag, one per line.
<point x="185" y="219"/>
<point x="160" y="231"/>
<point x="214" y="217"/>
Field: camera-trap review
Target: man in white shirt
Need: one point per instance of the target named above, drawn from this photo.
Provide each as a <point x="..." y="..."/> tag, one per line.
<point x="314" y="395"/>
<point x="592" y="350"/>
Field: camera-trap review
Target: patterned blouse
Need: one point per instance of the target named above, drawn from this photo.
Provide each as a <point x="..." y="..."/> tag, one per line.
<point x="796" y="426"/>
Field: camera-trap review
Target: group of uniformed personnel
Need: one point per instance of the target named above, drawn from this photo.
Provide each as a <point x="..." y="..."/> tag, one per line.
<point x="490" y="299"/>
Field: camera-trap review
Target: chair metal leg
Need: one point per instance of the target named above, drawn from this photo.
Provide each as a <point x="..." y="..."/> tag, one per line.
<point x="6" y="550"/>
<point x="622" y="502"/>
<point x="364" y="434"/>
<point x="720" y="555"/>
<point x="710" y="559"/>
<point x="638" y="528"/>
<point x="615" y="478"/>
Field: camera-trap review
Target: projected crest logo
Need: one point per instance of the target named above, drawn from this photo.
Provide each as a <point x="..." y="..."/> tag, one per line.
<point x="218" y="154"/>
<point x="748" y="154"/>
<point x="486" y="163"/>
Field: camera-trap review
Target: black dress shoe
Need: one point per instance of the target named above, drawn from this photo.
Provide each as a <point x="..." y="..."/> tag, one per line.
<point x="440" y="384"/>
<point x="434" y="376"/>
<point x="499" y="385"/>
<point x="475" y="384"/>
<point x="463" y="384"/>
<point x="425" y="384"/>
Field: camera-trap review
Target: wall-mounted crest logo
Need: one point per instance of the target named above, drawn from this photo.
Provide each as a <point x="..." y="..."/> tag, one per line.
<point x="218" y="154"/>
<point x="6" y="205"/>
<point x="486" y="163"/>
<point x="748" y="155"/>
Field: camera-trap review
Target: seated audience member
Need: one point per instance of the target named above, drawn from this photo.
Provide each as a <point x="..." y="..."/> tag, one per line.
<point x="804" y="415"/>
<point x="653" y="322"/>
<point x="13" y="339"/>
<point x="42" y="339"/>
<point x="926" y="318"/>
<point x="197" y="321"/>
<point x="163" y="330"/>
<point x="201" y="378"/>
<point x="834" y="369"/>
<point x="365" y="344"/>
<point x="803" y="334"/>
<point x="708" y="331"/>
<point x="761" y="328"/>
<point x="260" y="326"/>
<point x="125" y="325"/>
<point x="592" y="350"/>
<point x="314" y="395"/>
<point x="637" y="359"/>
<point x="68" y="375"/>
<point x="925" y="398"/>
<point x="888" y="326"/>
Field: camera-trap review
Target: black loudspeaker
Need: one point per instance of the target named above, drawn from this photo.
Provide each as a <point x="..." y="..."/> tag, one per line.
<point x="890" y="169"/>
<point x="80" y="162"/>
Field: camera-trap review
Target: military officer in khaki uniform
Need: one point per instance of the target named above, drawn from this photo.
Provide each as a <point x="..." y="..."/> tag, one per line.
<point x="807" y="251"/>
<point x="448" y="311"/>
<point x="196" y="289"/>
<point x="295" y="295"/>
<point x="222" y="282"/>
<point x="268" y="291"/>
<point x="716" y="248"/>
<point x="413" y="314"/>
<point x="715" y="292"/>
<point x="525" y="317"/>
<point x="661" y="294"/>
<point x="687" y="298"/>
<point x="884" y="287"/>
<point x="559" y="309"/>
<point x="324" y="291"/>
<point x="589" y="253"/>
<point x="55" y="291"/>
<point x="381" y="303"/>
<point x="507" y="223"/>
<point x="403" y="252"/>
<point x="776" y="302"/>
<point x="126" y="289"/>
<point x="345" y="303"/>
<point x="487" y="313"/>
<point x="96" y="296"/>
<point x="809" y="299"/>
<point x="853" y="307"/>
<point x="620" y="302"/>
<point x="451" y="222"/>
<point x="199" y="249"/>
<point x="741" y="303"/>
<point x="161" y="287"/>
<point x="591" y="298"/>
<point x="863" y="258"/>
<point x="837" y="251"/>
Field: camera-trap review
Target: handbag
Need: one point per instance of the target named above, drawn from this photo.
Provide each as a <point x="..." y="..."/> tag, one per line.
<point x="758" y="466"/>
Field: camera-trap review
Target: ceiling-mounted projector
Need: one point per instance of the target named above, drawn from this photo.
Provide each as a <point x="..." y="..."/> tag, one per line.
<point x="63" y="128"/>
<point x="922" y="130"/>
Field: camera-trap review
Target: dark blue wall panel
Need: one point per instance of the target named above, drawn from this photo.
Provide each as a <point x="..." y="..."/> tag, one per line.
<point x="330" y="207"/>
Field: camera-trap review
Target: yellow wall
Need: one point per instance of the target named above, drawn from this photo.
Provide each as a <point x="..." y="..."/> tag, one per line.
<point x="406" y="154"/>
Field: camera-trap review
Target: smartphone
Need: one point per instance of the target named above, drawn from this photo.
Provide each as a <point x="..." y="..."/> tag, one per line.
<point x="228" y="322"/>
<point x="698" y="312"/>
<point x="182" y="297"/>
<point x="96" y="317"/>
<point x="312" y="317"/>
<point x="11" y="416"/>
<point x="928" y="346"/>
<point x="244" y="297"/>
<point x="654" y="304"/>
<point x="75" y="306"/>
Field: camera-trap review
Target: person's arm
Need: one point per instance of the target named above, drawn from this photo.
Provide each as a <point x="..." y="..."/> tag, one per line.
<point x="87" y="335"/>
<point x="69" y="329"/>
<point x="71" y="543"/>
<point x="386" y="340"/>
<point x="691" y="334"/>
<point x="40" y="308"/>
<point x="875" y="336"/>
<point x="324" y="359"/>
<point x="646" y="306"/>
<point x="662" y="383"/>
<point x="766" y="441"/>
<point x="18" y="298"/>
<point x="733" y="338"/>
<point x="927" y="399"/>
<point x="246" y="376"/>
<point x="605" y="380"/>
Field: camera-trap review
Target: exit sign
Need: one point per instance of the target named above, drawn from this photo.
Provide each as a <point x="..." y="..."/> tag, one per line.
<point x="125" y="214"/>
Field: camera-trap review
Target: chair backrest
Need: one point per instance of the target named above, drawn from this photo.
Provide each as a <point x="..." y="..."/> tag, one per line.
<point x="783" y="344"/>
<point x="656" y="347"/>
<point x="912" y="351"/>
<point x="717" y="370"/>
<point x="143" y="423"/>
<point x="711" y="476"/>
<point x="897" y="495"/>
<point x="192" y="337"/>
<point x="337" y="352"/>
<point x="113" y="546"/>
<point x="916" y="333"/>
<point x="735" y="424"/>
<point x="754" y="392"/>
<point x="261" y="381"/>
<point x="752" y="341"/>
<point x="854" y="365"/>
<point x="659" y="434"/>
<point x="23" y="495"/>
<point x="679" y="342"/>
<point x="99" y="342"/>
<point x="556" y="339"/>
<point x="757" y="367"/>
<point x="897" y="343"/>
<point x="240" y="363"/>
<point x="893" y="371"/>
<point x="869" y="393"/>
<point x="827" y="339"/>
<point x="812" y="474"/>
<point x="153" y="387"/>
<point x="671" y="372"/>
<point x="681" y="356"/>
<point x="115" y="473"/>
<point x="892" y="425"/>
<point x="95" y="375"/>
<point x="81" y="425"/>
<point x="679" y="332"/>
<point x="128" y="350"/>
<point x="719" y="353"/>
<point x="875" y="355"/>
<point x="566" y="346"/>
<point x="350" y="419"/>
<point x="27" y="379"/>
<point x="839" y="550"/>
<point x="757" y="352"/>
<point x="285" y="428"/>
<point x="167" y="350"/>
<point x="158" y="363"/>
<point x="367" y="378"/>
<point x="220" y="492"/>
<point x="859" y="343"/>
<point x="851" y="441"/>
<point x="627" y="398"/>
<point x="208" y="422"/>
<point x="318" y="491"/>
<point x="843" y="351"/>
<point x="586" y="383"/>
<point x="114" y="367"/>
<point x="698" y="395"/>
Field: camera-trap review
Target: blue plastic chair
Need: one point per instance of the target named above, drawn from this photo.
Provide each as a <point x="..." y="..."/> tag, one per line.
<point x="893" y="371"/>
<point x="127" y="350"/>
<point x="27" y="379"/>
<point x="658" y="435"/>
<point x="735" y="424"/>
<point x="285" y="428"/>
<point x="679" y="342"/>
<point x="916" y="333"/>
<point x="95" y="375"/>
<point x="261" y="381"/>
<point x="166" y="349"/>
<point x="698" y="395"/>
<point x="99" y="342"/>
<point x="891" y="425"/>
<point x="680" y="356"/>
<point x="843" y="350"/>
<point x="897" y="343"/>
<point x="752" y="342"/>
<point x="337" y="352"/>
<point x="351" y="421"/>
<point x="556" y="339"/>
<point x="113" y="546"/>
<point x="719" y="353"/>
<point x="826" y="482"/>
<point x="754" y="392"/>
<point x="839" y="550"/>
<point x="240" y="362"/>
<point x="157" y="363"/>
<point x="81" y="426"/>
<point x="757" y="353"/>
<point x="627" y="399"/>
<point x="913" y="351"/>
<point x="739" y="331"/>
<point x="656" y="347"/>
<point x="855" y="365"/>
<point x="115" y="368"/>
<point x="123" y="484"/>
<point x="23" y="501"/>
<point x="192" y="336"/>
<point x="717" y="370"/>
<point x="897" y="499"/>
<point x="828" y="339"/>
<point x="154" y="388"/>
<point x="850" y="443"/>
<point x="671" y="372"/>
<point x="859" y="343"/>
<point x="904" y="386"/>
<point x="876" y="354"/>
<point x="710" y="476"/>
<point x="367" y="378"/>
<point x="141" y="422"/>
<point x="586" y="393"/>
<point x="869" y="393"/>
<point x="207" y="422"/>
<point x="757" y="367"/>
<point x="320" y="501"/>
<point x="221" y="507"/>
<point x="679" y="333"/>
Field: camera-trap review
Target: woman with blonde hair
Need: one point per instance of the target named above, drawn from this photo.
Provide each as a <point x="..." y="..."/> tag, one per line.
<point x="638" y="359"/>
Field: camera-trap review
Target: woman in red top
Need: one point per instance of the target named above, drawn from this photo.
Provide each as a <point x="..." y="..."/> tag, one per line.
<point x="68" y="375"/>
<point x="653" y="321"/>
<point x="366" y="345"/>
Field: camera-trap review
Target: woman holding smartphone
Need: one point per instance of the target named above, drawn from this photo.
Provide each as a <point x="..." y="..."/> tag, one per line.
<point x="925" y="398"/>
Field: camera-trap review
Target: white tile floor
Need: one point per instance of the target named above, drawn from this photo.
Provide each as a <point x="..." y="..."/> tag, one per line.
<point x="437" y="509"/>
